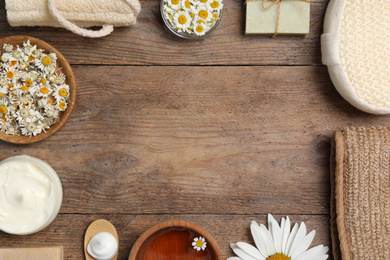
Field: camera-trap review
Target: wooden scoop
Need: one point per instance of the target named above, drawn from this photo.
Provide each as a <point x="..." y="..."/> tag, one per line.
<point x="100" y="225"/>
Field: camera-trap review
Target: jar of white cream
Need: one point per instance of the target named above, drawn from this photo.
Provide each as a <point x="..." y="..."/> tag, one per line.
<point x="30" y="195"/>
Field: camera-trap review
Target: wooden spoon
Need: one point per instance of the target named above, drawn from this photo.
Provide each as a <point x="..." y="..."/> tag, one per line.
<point x="100" y="225"/>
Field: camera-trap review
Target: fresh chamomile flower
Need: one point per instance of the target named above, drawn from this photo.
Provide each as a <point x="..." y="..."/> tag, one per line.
<point x="200" y="26"/>
<point x="8" y="48"/>
<point x="173" y="4"/>
<point x="203" y="13"/>
<point x="215" y="5"/>
<point x="187" y="5"/>
<point x="182" y="20"/>
<point x="279" y="243"/>
<point x="199" y="243"/>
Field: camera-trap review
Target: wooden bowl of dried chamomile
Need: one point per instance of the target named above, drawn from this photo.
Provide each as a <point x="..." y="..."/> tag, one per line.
<point x="37" y="89"/>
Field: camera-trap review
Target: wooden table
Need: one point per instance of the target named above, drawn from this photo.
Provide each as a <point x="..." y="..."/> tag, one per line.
<point x="219" y="132"/>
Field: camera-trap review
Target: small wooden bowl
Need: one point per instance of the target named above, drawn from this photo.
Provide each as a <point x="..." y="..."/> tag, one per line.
<point x="172" y="240"/>
<point x="70" y="80"/>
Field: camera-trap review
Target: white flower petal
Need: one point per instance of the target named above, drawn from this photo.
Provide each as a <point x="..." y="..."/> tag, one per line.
<point x="268" y="240"/>
<point x="285" y="234"/>
<point x="298" y="240"/>
<point x="251" y="250"/>
<point x="276" y="233"/>
<point x="234" y="258"/>
<point x="312" y="252"/>
<point x="242" y="254"/>
<point x="259" y="241"/>
<point x="291" y="238"/>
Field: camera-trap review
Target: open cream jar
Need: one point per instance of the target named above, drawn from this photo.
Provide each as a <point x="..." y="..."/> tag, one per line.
<point x="30" y="195"/>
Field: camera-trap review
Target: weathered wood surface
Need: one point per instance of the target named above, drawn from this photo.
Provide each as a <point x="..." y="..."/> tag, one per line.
<point x="148" y="43"/>
<point x="215" y="145"/>
<point x="198" y="140"/>
<point x="68" y="230"/>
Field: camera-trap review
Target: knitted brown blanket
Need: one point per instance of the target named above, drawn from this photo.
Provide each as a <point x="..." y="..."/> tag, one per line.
<point x="360" y="201"/>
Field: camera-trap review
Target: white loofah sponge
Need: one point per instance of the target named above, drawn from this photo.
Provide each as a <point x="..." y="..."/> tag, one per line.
<point x="356" y="48"/>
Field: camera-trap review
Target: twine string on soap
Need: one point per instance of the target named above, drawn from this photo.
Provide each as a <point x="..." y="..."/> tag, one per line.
<point x="268" y="7"/>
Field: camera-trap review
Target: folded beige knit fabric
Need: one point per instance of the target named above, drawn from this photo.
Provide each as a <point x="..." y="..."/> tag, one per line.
<point x="83" y="13"/>
<point x="360" y="206"/>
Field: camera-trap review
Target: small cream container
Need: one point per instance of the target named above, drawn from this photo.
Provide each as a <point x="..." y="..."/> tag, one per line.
<point x="30" y="195"/>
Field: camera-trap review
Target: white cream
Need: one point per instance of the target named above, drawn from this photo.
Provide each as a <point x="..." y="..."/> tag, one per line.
<point x="103" y="246"/>
<point x="27" y="199"/>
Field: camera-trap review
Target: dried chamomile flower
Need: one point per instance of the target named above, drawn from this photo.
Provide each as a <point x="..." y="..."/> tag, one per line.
<point x="32" y="92"/>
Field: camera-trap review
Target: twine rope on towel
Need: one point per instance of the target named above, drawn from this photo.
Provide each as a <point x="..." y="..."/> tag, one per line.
<point x="104" y="31"/>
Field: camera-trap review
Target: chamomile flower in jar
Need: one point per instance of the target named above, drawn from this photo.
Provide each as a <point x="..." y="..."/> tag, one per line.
<point x="182" y="16"/>
<point x="182" y="20"/>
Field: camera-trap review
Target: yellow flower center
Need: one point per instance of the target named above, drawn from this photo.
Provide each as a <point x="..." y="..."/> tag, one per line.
<point x="175" y="2"/>
<point x="62" y="105"/>
<point x="4" y="118"/>
<point x="187" y="4"/>
<point x="199" y="28"/>
<point x="24" y="88"/>
<point x="182" y="19"/>
<point x="3" y="109"/>
<point x="203" y="14"/>
<point x="278" y="257"/>
<point x="10" y="86"/>
<point x="10" y="74"/>
<point x="46" y="60"/>
<point x="214" y="4"/>
<point x="200" y="21"/>
<point x="63" y="92"/>
<point x="203" y="1"/>
<point x="192" y="15"/>
<point x="49" y="103"/>
<point x="2" y="94"/>
<point x="13" y="63"/>
<point x="43" y="81"/>
<point x="31" y="58"/>
<point x="44" y="90"/>
<point x="28" y="82"/>
<point x="215" y="15"/>
<point x="199" y="243"/>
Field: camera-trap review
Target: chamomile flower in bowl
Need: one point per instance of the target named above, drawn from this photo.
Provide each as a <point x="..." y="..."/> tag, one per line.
<point x="191" y="19"/>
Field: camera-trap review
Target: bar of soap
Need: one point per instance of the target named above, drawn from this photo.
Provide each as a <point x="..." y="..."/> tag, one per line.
<point x="294" y="18"/>
<point x="41" y="253"/>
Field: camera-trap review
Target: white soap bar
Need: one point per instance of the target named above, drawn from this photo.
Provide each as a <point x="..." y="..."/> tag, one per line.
<point x="41" y="253"/>
<point x="294" y="17"/>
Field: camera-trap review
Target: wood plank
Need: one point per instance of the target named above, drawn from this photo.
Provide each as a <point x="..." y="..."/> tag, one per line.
<point x="217" y="140"/>
<point x="68" y="230"/>
<point x="148" y="43"/>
